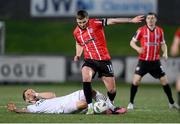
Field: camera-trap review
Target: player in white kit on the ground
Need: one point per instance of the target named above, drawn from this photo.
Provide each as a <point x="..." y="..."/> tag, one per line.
<point x="47" y="102"/>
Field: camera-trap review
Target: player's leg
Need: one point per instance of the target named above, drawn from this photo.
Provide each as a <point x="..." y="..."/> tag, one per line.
<point x="158" y="73"/>
<point x="134" y="88"/>
<point x="166" y="88"/>
<point x="178" y="89"/>
<point x="140" y="71"/>
<point x="111" y="90"/>
<point x="111" y="87"/>
<point x="105" y="70"/>
<point x="168" y="92"/>
<point x="87" y="74"/>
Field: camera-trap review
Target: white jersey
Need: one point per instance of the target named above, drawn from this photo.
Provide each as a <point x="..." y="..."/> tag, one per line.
<point x="64" y="104"/>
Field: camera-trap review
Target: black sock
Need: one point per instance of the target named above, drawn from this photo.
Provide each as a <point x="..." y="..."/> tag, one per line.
<point x="168" y="92"/>
<point x="87" y="91"/>
<point x="111" y="95"/>
<point x="179" y="98"/>
<point x="134" y="89"/>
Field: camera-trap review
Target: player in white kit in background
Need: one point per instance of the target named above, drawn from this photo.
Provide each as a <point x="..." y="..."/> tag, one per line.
<point x="47" y="102"/>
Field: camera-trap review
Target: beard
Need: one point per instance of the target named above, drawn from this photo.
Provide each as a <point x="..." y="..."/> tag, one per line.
<point x="82" y="27"/>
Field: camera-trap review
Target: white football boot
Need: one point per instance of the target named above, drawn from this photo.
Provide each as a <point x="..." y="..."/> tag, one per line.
<point x="130" y="106"/>
<point x="174" y="105"/>
<point x="90" y="110"/>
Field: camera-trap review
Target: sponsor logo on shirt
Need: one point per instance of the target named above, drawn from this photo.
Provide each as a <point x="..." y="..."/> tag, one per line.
<point x="89" y="40"/>
<point x="152" y="44"/>
<point x="90" y="30"/>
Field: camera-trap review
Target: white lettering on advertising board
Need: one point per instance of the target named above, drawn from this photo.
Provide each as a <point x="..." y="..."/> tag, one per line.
<point x="68" y="8"/>
<point x="32" y="68"/>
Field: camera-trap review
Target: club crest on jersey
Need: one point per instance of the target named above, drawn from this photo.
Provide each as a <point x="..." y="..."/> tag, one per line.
<point x="157" y="36"/>
<point x="90" y="30"/>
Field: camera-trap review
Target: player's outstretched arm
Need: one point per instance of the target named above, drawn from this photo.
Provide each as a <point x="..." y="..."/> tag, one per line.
<point x="12" y="107"/>
<point x="137" y="19"/>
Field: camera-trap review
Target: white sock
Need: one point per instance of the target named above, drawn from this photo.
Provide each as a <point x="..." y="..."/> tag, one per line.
<point x="90" y="105"/>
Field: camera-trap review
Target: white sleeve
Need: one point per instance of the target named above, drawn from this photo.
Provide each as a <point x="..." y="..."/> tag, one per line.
<point x="135" y="38"/>
<point x="103" y="21"/>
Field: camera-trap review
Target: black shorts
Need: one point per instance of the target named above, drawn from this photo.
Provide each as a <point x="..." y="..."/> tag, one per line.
<point x="152" y="67"/>
<point x="103" y="67"/>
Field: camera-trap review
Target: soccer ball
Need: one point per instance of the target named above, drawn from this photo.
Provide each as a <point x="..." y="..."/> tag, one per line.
<point x="100" y="107"/>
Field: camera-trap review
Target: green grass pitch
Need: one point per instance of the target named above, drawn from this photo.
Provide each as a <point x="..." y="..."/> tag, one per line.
<point x="151" y="105"/>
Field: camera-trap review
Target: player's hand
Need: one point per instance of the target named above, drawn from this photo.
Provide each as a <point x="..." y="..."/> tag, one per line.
<point x="165" y="56"/>
<point x="137" y="19"/>
<point x="11" y="106"/>
<point x="31" y="93"/>
<point x="140" y="50"/>
<point x="76" y="58"/>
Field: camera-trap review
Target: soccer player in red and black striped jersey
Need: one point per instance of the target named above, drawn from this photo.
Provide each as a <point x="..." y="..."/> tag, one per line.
<point x="174" y="52"/>
<point x="90" y="39"/>
<point x="151" y="39"/>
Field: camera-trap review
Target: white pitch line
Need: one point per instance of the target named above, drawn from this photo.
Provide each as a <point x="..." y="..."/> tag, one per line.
<point x="143" y="110"/>
<point x="17" y="102"/>
<point x="150" y="110"/>
<point x="2" y="106"/>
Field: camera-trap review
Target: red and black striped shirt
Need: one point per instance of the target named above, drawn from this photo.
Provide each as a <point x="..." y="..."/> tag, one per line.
<point x="151" y="41"/>
<point x="92" y="39"/>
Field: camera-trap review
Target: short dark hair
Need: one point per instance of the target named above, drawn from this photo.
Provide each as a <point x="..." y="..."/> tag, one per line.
<point x="81" y="14"/>
<point x="151" y="13"/>
<point x="24" y="97"/>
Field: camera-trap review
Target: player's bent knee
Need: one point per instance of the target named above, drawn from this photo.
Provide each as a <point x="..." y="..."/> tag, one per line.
<point x="112" y="90"/>
<point x="87" y="79"/>
<point x="164" y="80"/>
<point x="136" y="82"/>
<point x="81" y="105"/>
<point x="136" y="79"/>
